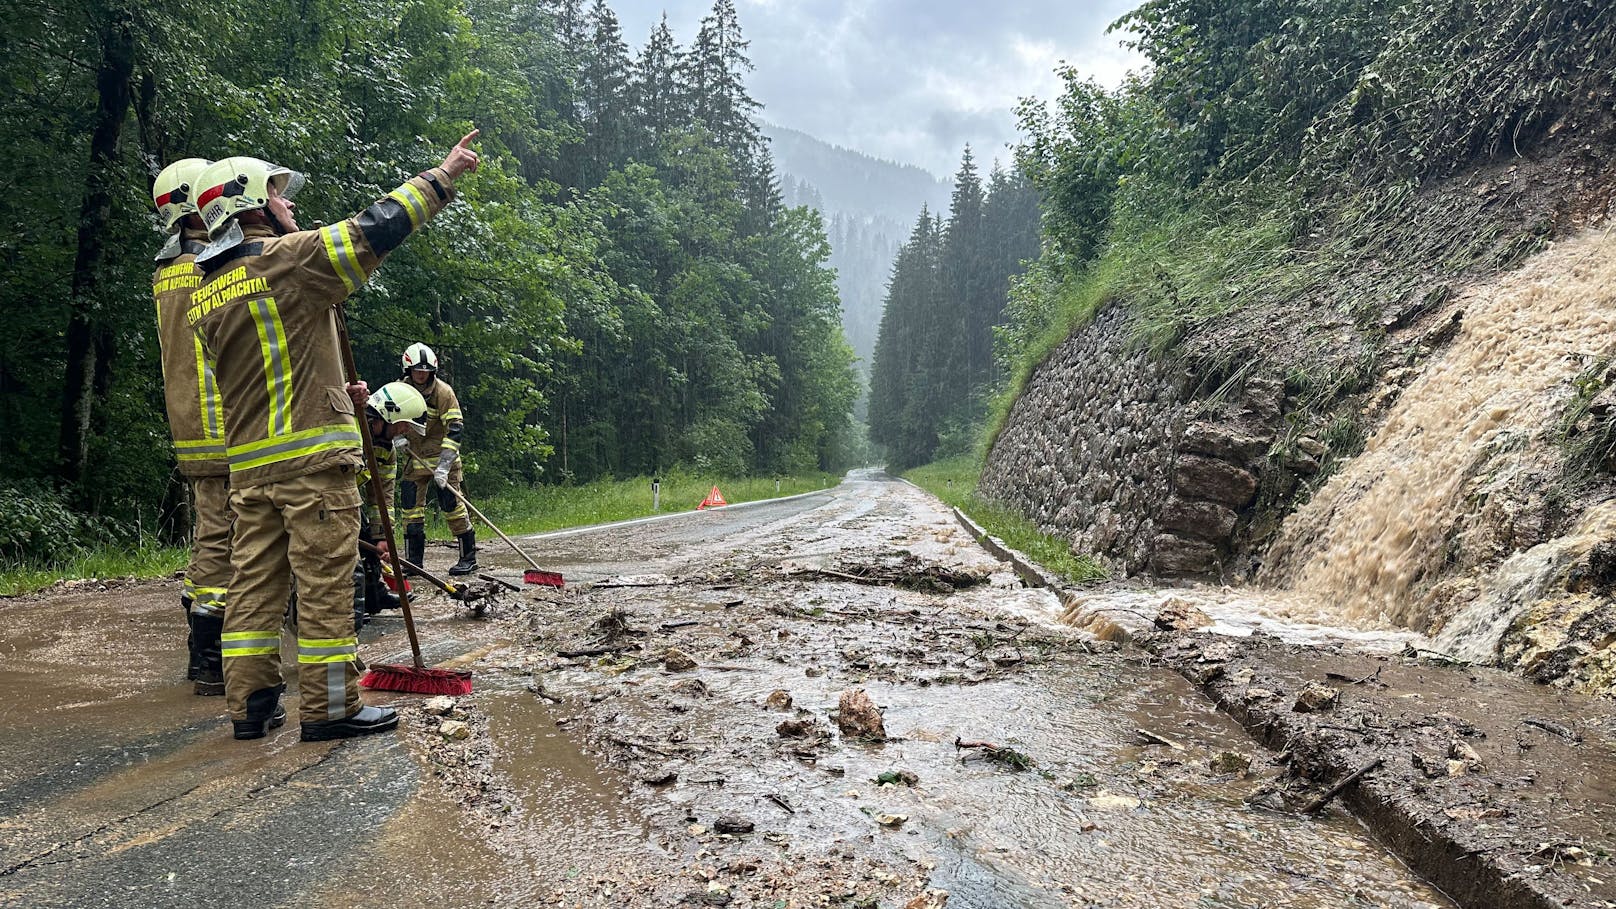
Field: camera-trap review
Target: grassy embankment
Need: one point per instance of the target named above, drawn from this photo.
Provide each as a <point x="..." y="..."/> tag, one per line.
<point x="954" y="481"/>
<point x="517" y="511"/>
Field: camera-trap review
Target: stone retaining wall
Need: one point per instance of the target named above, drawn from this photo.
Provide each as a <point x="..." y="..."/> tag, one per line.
<point x="1108" y="448"/>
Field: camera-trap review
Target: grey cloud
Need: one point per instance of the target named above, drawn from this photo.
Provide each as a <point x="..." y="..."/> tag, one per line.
<point x="910" y="81"/>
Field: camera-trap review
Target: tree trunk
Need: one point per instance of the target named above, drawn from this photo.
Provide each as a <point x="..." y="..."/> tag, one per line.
<point x="90" y="344"/>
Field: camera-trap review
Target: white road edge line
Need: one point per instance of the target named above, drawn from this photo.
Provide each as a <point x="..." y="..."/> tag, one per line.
<point x="593" y="528"/>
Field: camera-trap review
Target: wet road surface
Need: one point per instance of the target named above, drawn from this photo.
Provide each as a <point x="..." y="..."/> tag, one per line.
<point x="605" y="779"/>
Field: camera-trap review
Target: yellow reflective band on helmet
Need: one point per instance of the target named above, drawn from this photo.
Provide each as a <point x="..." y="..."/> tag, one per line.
<point x="250" y="643"/>
<point x="412" y="200"/>
<point x="277" y="364"/>
<point x="341" y="253"/>
<point x="327" y="650"/>
<point x="293" y="445"/>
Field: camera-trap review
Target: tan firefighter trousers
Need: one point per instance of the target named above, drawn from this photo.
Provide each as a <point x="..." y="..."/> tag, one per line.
<point x="307" y="527"/>
<point x="207" y="578"/>
<point x="420" y="486"/>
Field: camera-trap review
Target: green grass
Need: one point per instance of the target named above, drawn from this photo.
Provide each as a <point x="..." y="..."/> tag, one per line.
<point x="149" y="561"/>
<point x="517" y="511"/>
<point x="954" y="481"/>
<point x="540" y="508"/>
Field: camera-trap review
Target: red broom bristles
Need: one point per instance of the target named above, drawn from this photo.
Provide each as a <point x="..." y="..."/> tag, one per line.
<point x="408" y="679"/>
<point x="544" y="578"/>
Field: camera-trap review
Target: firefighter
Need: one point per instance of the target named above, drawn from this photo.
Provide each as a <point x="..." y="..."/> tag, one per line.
<point x="195" y="420"/>
<point x="395" y="410"/>
<point x="434" y="461"/>
<point x="266" y="311"/>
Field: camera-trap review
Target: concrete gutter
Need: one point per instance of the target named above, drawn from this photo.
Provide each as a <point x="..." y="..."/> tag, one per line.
<point x="1480" y="865"/>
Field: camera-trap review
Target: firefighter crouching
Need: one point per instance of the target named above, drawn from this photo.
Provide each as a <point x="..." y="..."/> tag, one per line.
<point x="266" y="313"/>
<point x="395" y="410"/>
<point x="433" y="461"/>
<point x="195" y="420"/>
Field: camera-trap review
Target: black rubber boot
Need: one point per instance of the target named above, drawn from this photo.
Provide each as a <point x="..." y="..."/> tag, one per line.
<point x="193" y="668"/>
<point x="368" y="721"/>
<point x="377" y="596"/>
<point x="264" y="712"/>
<point x="206" y="661"/>
<point x="361" y="591"/>
<point x="415" y="545"/>
<point x="468" y="554"/>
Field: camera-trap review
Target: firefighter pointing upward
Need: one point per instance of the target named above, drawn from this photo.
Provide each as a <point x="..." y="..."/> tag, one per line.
<point x="434" y="460"/>
<point x="266" y="313"/>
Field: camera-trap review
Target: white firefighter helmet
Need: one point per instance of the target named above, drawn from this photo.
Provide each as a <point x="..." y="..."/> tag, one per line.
<point x="231" y="186"/>
<point x="398" y="402"/>
<point x="419" y="356"/>
<point x="175" y="190"/>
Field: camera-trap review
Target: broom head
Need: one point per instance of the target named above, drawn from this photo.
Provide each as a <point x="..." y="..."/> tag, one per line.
<point x="409" y="679"/>
<point x="392" y="582"/>
<point x="543" y="578"/>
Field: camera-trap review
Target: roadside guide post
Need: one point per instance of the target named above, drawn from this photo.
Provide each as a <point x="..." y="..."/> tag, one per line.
<point x="656" y="494"/>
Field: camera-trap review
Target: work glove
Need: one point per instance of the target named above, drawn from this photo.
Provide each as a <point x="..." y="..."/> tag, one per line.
<point x="440" y="476"/>
<point x="401" y="442"/>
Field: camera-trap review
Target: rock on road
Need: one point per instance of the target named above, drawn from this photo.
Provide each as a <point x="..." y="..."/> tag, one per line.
<point x="597" y="769"/>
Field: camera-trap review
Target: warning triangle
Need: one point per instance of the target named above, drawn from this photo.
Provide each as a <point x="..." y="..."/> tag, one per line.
<point x="714" y="499"/>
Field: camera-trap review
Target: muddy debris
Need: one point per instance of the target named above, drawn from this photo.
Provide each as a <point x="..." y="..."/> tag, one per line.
<point x="1472" y="794"/>
<point x="614" y="625"/>
<point x="931" y="899"/>
<point x="859" y="718"/>
<point x="1225" y="763"/>
<point x="454" y="729"/>
<point x="695" y="688"/>
<point x="1316" y="696"/>
<point x="1009" y="757"/>
<point x="903" y="570"/>
<point x="676" y="660"/>
<point x="733" y="824"/>
<point x="1178" y="614"/>
<point x="778" y="699"/>
<point x="797" y="728"/>
<point x="440" y="706"/>
<point x="657" y="776"/>
<point x="896" y="778"/>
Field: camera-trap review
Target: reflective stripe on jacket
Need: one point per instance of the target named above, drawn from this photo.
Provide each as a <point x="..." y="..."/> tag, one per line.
<point x="195" y="414"/>
<point x="442" y="416"/>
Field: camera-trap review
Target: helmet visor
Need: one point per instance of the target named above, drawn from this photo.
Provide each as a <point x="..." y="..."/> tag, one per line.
<point x="285" y="180"/>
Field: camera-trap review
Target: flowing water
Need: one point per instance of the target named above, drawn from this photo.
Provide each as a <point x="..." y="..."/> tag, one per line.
<point x="1368" y="548"/>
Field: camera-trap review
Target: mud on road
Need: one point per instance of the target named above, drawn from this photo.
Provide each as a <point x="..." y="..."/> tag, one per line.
<point x="669" y="731"/>
<point x="666" y="733"/>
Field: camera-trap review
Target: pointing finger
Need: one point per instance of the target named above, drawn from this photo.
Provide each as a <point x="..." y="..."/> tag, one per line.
<point x="470" y="137"/>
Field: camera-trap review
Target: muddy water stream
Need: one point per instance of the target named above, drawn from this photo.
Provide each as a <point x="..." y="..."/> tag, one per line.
<point x="1372" y="544"/>
<point x="632" y="766"/>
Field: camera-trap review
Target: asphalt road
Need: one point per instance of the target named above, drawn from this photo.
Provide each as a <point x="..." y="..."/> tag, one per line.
<point x="119" y="788"/>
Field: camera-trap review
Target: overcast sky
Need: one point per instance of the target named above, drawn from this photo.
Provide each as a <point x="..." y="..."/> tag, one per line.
<point x="906" y="80"/>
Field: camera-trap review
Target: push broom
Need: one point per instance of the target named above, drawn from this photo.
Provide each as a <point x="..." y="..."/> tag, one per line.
<point x="416" y="679"/>
<point x="534" y="574"/>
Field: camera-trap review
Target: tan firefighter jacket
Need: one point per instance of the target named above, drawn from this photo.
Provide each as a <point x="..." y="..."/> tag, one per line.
<point x="443" y="424"/>
<point x="266" y="312"/>
<point x="195" y="416"/>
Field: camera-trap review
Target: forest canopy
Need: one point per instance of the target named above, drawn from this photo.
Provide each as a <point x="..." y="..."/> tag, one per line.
<point x="620" y="291"/>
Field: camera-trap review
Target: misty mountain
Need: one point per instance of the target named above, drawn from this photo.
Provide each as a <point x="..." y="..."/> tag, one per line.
<point x="869" y="206"/>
